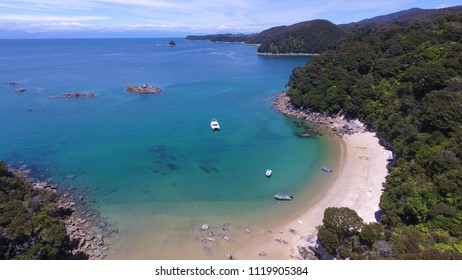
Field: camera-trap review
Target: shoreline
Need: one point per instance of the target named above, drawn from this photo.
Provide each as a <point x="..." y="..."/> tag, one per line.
<point x="86" y="230"/>
<point x="356" y="183"/>
<point x="287" y="54"/>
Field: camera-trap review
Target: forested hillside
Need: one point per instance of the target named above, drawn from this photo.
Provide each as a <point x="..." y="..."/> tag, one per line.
<point x="305" y="37"/>
<point x="317" y="36"/>
<point x="230" y="38"/>
<point x="405" y="83"/>
<point x="413" y="15"/>
<point x="30" y="223"/>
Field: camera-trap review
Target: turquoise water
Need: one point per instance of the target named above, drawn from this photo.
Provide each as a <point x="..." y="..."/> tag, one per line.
<point x="122" y="149"/>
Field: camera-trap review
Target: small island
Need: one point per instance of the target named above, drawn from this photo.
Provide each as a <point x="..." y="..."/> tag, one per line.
<point x="171" y="44"/>
<point x="143" y="89"/>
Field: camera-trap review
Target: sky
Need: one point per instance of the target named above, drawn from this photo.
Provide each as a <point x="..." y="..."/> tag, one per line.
<point x="157" y="18"/>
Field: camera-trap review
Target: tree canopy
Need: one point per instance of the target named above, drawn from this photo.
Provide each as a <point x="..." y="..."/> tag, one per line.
<point x="305" y="37"/>
<point x="405" y="83"/>
<point x="30" y="223"/>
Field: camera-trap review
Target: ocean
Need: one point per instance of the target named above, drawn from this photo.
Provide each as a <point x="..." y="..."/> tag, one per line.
<point x="150" y="165"/>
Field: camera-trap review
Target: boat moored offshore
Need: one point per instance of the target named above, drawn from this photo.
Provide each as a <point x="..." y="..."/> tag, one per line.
<point x="214" y="124"/>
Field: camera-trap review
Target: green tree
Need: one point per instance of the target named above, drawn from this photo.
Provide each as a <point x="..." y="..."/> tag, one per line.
<point x="343" y="221"/>
<point x="339" y="225"/>
<point x="405" y="82"/>
<point x="30" y="227"/>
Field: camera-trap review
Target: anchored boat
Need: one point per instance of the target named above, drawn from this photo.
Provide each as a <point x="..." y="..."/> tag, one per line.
<point x="328" y="170"/>
<point x="214" y="124"/>
<point x="280" y="196"/>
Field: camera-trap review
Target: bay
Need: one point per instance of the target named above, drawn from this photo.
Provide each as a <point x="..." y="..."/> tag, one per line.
<point x="149" y="160"/>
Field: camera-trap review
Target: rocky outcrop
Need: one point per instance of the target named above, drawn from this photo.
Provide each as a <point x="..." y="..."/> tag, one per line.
<point x="86" y="230"/>
<point x="87" y="240"/>
<point x="312" y="249"/>
<point x="308" y="247"/>
<point x="337" y="123"/>
<point x="143" y="89"/>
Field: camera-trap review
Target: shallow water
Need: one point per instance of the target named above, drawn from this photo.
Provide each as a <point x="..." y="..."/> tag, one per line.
<point x="147" y="159"/>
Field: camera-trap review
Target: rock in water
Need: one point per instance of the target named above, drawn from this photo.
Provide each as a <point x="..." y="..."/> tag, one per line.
<point x="143" y="89"/>
<point x="79" y="94"/>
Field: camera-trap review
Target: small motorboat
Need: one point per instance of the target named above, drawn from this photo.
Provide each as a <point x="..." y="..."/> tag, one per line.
<point x="280" y="196"/>
<point x="328" y="170"/>
<point x="268" y="172"/>
<point x="214" y="124"/>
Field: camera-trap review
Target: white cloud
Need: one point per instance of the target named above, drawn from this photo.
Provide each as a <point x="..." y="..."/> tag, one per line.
<point x="48" y="18"/>
<point x="205" y="15"/>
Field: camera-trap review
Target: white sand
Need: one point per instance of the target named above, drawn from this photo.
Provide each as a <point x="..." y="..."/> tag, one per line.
<point x="356" y="183"/>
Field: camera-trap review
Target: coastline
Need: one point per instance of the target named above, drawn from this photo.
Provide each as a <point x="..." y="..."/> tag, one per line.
<point x="287" y="54"/>
<point x="87" y="231"/>
<point x="355" y="183"/>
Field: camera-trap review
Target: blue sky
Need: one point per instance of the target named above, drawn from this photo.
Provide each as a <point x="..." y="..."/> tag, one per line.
<point x="168" y="17"/>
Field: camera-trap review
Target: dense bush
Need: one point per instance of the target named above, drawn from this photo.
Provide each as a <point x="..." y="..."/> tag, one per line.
<point x="305" y="37"/>
<point x="405" y="83"/>
<point x="30" y="223"/>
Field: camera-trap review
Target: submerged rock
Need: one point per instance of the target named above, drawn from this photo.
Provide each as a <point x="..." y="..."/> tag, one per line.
<point x="79" y="94"/>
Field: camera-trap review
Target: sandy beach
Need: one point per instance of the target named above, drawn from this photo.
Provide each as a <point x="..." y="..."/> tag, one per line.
<point x="356" y="183"/>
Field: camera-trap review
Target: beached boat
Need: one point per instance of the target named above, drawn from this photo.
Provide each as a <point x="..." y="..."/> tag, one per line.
<point x="214" y="124"/>
<point x="268" y="172"/>
<point x="327" y="169"/>
<point x="280" y="196"/>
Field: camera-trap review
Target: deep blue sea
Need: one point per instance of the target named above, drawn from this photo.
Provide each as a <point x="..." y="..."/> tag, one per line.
<point x="145" y="160"/>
